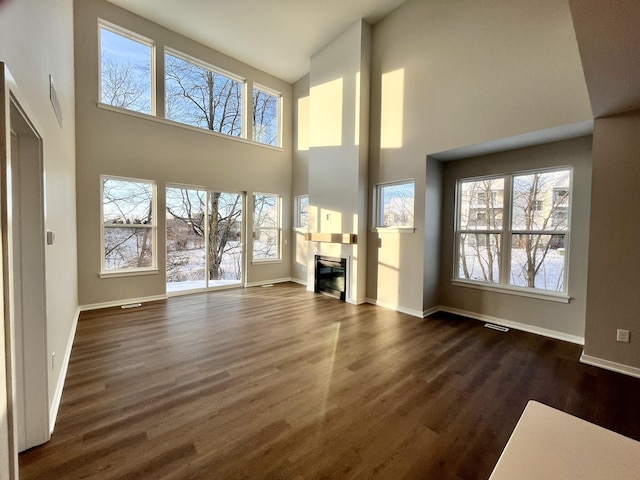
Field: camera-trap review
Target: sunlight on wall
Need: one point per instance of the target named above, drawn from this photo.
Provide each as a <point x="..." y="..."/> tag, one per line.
<point x="392" y="109"/>
<point x="303" y="123"/>
<point x="302" y="250"/>
<point x="325" y="120"/>
<point x="389" y="270"/>
<point x="357" y="112"/>
<point x="330" y="221"/>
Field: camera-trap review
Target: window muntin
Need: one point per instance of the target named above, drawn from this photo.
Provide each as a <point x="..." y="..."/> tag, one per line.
<point x="266" y="227"/>
<point x="395" y="205"/>
<point x="126" y="70"/>
<point x="266" y="116"/>
<point x="513" y="230"/>
<point x="302" y="211"/>
<point x="202" y="96"/>
<point x="128" y="224"/>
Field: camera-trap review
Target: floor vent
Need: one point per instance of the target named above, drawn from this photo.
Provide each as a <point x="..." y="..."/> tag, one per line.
<point x="500" y="328"/>
<point x="131" y="305"/>
<point x="267" y="285"/>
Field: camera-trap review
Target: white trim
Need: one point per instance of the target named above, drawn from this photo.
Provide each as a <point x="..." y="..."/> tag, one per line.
<point x="609" y="365"/>
<point x="545" y="332"/>
<point x="393" y="230"/>
<point x="128" y="273"/>
<point x="356" y="302"/>
<point x="118" y="303"/>
<point x="431" y="311"/>
<point x="298" y="281"/>
<point x="511" y="290"/>
<point x="267" y="282"/>
<point x="397" y="308"/>
<point x="57" y="396"/>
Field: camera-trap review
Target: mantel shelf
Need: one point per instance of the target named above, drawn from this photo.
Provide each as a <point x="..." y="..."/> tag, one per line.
<point x="332" y="237"/>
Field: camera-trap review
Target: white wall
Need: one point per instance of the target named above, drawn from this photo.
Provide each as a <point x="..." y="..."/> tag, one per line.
<point x="113" y="143"/>
<point x="36" y="40"/>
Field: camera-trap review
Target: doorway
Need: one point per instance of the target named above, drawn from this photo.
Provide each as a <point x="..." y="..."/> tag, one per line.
<point x="24" y="273"/>
<point x="204" y="239"/>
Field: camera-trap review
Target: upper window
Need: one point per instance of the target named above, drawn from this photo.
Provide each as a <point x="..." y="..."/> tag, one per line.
<point x="202" y="96"/>
<point x="394" y="205"/>
<point x="266" y="227"/>
<point x="302" y="211"/>
<point x="128" y="220"/>
<point x="126" y="73"/>
<point x="266" y="116"/>
<point x="513" y="229"/>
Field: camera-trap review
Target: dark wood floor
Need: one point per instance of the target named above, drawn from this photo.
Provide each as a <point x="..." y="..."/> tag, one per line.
<point x="279" y="383"/>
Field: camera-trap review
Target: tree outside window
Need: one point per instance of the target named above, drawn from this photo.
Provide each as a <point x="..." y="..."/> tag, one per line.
<point x="266" y="108"/>
<point x="395" y="204"/>
<point x="266" y="227"/>
<point x="128" y="224"/>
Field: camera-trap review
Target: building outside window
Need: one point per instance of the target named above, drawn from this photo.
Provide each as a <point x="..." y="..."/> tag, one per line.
<point x="394" y="204"/>
<point x="513" y="230"/>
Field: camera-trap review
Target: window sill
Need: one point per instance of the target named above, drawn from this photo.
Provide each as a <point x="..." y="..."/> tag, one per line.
<point x="522" y="292"/>
<point x="394" y="229"/>
<point x="153" y="118"/>
<point x="263" y="262"/>
<point x="128" y="273"/>
<point x="301" y="230"/>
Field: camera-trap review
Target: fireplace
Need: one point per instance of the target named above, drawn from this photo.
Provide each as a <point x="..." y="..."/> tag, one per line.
<point x="331" y="276"/>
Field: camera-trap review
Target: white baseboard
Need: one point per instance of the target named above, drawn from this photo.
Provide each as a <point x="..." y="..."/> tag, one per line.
<point x="57" y="396"/>
<point x="545" y="332"/>
<point x="397" y="308"/>
<point x="609" y="365"/>
<point x="431" y="311"/>
<point x="298" y="281"/>
<point x="267" y="282"/>
<point x="118" y="303"/>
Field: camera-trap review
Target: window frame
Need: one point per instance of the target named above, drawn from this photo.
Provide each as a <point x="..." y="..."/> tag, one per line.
<point x="130" y="271"/>
<point x="135" y="37"/>
<point x="378" y="207"/>
<point x="297" y="224"/>
<point x="277" y="228"/>
<point x="278" y="95"/>
<point x="212" y="68"/>
<point x="506" y="231"/>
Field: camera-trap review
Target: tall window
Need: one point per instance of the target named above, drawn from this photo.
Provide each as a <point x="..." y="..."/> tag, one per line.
<point x="126" y="73"/>
<point x="128" y="220"/>
<point x="202" y="96"/>
<point x="394" y="205"/>
<point x="266" y="227"/>
<point x="513" y="229"/>
<point x="302" y="211"/>
<point x="266" y="116"/>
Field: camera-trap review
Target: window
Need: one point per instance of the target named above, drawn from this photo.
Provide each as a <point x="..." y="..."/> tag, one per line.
<point x="126" y="73"/>
<point x="513" y="230"/>
<point x="302" y="211"/>
<point x="394" y="205"/>
<point x="128" y="214"/>
<point x="266" y="116"/>
<point x="202" y="96"/>
<point x="266" y="227"/>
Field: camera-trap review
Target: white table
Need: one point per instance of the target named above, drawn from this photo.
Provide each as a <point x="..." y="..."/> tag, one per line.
<point x="548" y="444"/>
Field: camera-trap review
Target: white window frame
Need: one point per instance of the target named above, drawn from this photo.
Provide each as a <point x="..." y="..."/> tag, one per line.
<point x="277" y="228"/>
<point x="135" y="37"/>
<point x="298" y="213"/>
<point x="278" y="95"/>
<point x="378" y="210"/>
<point x="212" y="68"/>
<point x="118" y="272"/>
<point x="506" y="231"/>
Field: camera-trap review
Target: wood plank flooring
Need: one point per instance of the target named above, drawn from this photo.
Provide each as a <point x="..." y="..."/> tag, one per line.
<point x="279" y="383"/>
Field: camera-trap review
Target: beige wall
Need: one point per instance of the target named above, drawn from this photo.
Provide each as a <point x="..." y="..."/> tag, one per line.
<point x="120" y="144"/>
<point x="339" y="146"/>
<point x="447" y="75"/>
<point x="563" y="318"/>
<point x="613" y="300"/>
<point x="36" y="40"/>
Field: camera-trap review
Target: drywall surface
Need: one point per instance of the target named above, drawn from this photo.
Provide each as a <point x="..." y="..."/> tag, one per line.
<point x="138" y="146"/>
<point x="613" y="300"/>
<point x="565" y="318"/>
<point x="36" y="41"/>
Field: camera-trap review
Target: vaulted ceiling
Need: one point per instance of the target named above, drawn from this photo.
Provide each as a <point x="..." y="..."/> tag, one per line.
<point x="276" y="36"/>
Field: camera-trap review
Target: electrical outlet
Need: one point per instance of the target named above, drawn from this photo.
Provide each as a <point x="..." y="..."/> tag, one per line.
<point x="623" y="336"/>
